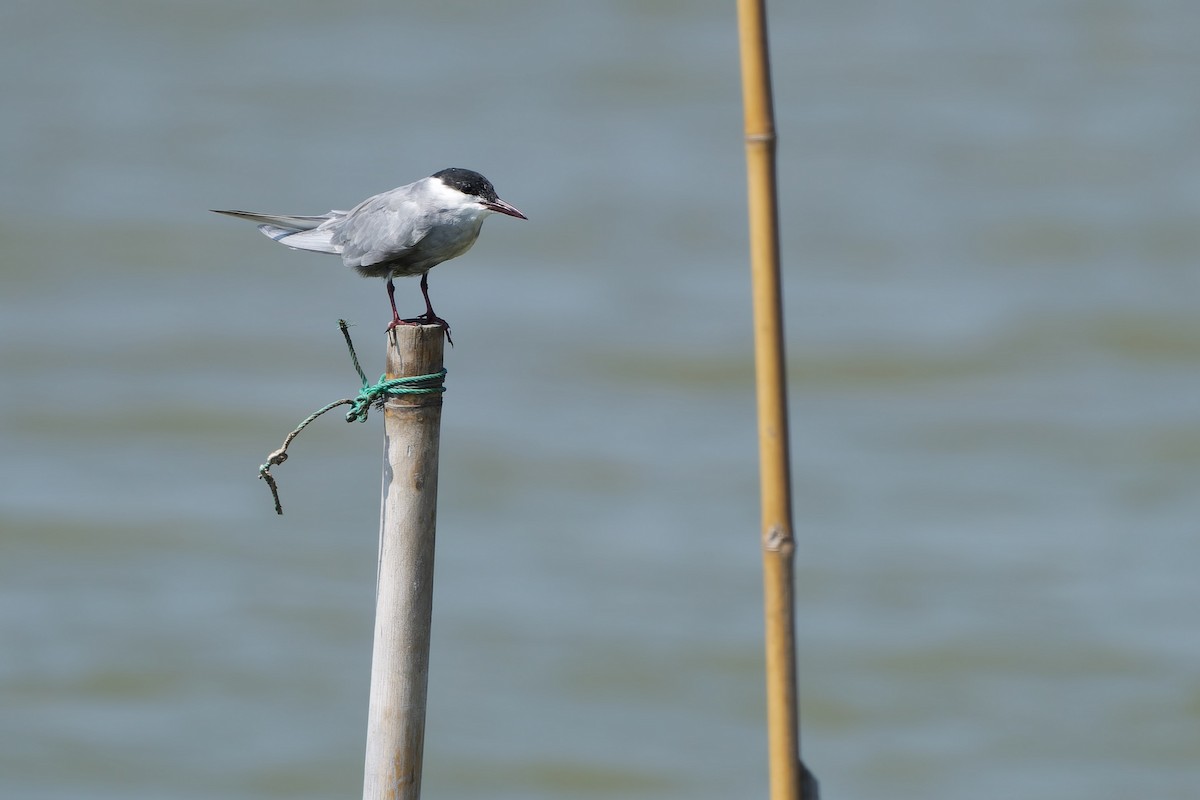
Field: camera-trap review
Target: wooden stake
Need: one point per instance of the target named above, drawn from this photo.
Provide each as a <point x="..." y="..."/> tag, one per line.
<point x="789" y="779"/>
<point x="404" y="590"/>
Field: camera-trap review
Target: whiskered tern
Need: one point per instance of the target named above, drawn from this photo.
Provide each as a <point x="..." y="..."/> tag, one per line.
<point x="405" y="231"/>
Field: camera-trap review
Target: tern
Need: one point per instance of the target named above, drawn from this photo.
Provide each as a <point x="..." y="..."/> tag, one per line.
<point x="406" y="231"/>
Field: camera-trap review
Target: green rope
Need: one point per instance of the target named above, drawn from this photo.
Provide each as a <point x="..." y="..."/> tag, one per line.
<point x="377" y="394"/>
<point x="369" y="395"/>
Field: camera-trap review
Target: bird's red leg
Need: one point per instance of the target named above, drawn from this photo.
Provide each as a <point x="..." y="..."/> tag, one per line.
<point x="425" y="293"/>
<point x="429" y="317"/>
<point x="392" y="298"/>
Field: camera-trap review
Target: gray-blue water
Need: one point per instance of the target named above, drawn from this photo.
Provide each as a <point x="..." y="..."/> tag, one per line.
<point x="991" y="245"/>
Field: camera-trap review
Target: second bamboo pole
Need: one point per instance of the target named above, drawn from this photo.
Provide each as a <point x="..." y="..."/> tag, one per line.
<point x="404" y="590"/>
<point x="789" y="778"/>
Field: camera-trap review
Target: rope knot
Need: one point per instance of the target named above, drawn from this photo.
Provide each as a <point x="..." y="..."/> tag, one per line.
<point x="376" y="395"/>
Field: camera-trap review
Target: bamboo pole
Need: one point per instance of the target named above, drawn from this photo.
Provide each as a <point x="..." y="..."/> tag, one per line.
<point x="404" y="590"/>
<point x="789" y="779"/>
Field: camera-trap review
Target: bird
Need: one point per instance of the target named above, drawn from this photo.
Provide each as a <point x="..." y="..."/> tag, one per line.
<point x="402" y="232"/>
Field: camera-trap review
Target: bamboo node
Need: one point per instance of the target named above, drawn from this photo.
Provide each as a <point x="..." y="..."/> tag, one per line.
<point x="776" y="538"/>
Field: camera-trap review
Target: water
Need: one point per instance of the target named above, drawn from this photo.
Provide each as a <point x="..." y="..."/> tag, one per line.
<point x="990" y="242"/>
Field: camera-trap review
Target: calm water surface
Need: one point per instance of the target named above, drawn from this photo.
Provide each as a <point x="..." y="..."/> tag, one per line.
<point x="991" y="249"/>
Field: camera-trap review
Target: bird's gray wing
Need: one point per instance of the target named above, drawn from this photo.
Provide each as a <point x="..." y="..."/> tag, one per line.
<point x="382" y="229"/>
<point x="297" y="232"/>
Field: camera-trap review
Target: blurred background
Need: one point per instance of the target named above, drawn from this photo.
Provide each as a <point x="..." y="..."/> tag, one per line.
<point x="990" y="249"/>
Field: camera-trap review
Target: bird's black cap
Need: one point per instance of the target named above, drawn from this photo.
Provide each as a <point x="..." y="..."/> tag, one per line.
<point x="468" y="182"/>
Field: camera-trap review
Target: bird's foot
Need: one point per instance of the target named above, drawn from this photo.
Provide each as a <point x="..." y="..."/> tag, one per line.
<point x="424" y="319"/>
